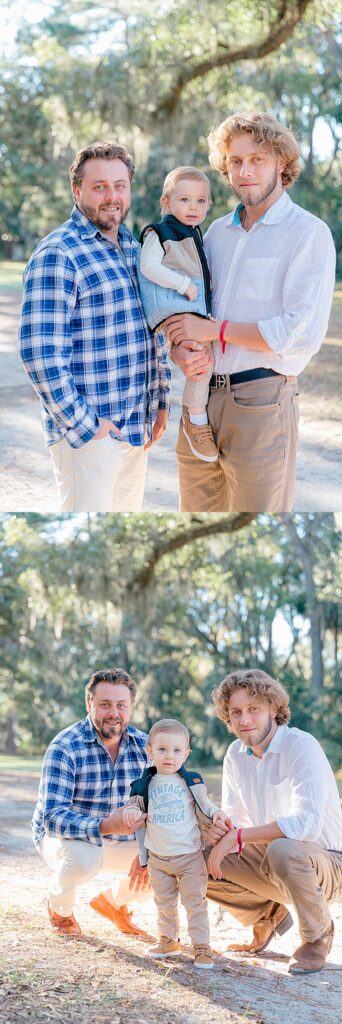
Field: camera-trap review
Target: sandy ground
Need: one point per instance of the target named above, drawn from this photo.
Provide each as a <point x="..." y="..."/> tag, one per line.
<point x="27" y="483"/>
<point x="106" y="978"/>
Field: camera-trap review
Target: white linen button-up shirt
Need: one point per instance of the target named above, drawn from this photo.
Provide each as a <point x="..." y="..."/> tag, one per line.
<point x="278" y="275"/>
<point x="292" y="784"/>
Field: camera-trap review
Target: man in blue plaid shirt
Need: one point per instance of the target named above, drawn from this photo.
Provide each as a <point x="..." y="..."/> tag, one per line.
<point x="78" y="824"/>
<point x="102" y="377"/>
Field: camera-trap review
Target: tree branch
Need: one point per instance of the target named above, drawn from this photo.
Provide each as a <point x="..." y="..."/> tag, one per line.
<point x="142" y="578"/>
<point x="278" y="34"/>
<point x="333" y="158"/>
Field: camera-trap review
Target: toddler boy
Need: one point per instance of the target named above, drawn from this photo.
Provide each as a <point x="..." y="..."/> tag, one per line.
<point x="174" y="278"/>
<point x="175" y="800"/>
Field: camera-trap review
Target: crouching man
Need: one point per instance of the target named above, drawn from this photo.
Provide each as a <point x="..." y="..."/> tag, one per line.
<point x="78" y="825"/>
<point x="284" y="845"/>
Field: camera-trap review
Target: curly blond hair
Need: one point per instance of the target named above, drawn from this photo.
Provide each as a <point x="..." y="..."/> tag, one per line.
<point x="267" y="132"/>
<point x="258" y="684"/>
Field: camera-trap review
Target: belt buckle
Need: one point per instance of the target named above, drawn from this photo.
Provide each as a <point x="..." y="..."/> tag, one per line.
<point x="221" y="380"/>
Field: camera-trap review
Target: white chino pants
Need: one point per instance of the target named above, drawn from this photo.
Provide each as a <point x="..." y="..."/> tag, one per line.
<point x="75" y="862"/>
<point x="102" y="476"/>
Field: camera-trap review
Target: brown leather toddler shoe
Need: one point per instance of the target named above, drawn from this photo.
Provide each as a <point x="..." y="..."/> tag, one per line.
<point x="311" y="956"/>
<point x="63" y="925"/>
<point x="204" y="957"/>
<point x="200" y="439"/>
<point x="164" y="948"/>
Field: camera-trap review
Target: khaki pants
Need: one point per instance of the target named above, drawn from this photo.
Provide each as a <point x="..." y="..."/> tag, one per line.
<point x="186" y="875"/>
<point x="255" y="426"/>
<point x="196" y="392"/>
<point x="75" y="862"/>
<point x="102" y="476"/>
<point x="286" y="871"/>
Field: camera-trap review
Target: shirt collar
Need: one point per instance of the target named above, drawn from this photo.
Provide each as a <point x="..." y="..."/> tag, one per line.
<point x="274" y="215"/>
<point x="88" y="229"/>
<point x="90" y="734"/>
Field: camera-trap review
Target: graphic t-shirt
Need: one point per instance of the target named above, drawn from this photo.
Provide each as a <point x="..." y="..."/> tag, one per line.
<point x="171" y="826"/>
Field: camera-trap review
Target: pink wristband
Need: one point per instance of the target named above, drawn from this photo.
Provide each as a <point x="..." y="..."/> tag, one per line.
<point x="221" y="336"/>
<point x="239" y="842"/>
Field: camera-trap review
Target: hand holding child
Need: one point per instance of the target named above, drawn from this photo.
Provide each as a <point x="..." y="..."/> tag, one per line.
<point x="222" y="817"/>
<point x="220" y="826"/>
<point x="191" y="292"/>
<point x="131" y="814"/>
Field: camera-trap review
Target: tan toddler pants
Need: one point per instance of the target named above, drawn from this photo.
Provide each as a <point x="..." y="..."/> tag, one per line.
<point x="187" y="876"/>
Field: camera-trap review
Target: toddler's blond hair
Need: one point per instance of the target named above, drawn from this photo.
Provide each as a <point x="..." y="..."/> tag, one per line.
<point x="168" y="725"/>
<point x="177" y="175"/>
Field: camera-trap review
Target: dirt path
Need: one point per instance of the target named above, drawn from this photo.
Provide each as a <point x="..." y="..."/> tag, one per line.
<point x="26" y="478"/>
<point x="106" y="978"/>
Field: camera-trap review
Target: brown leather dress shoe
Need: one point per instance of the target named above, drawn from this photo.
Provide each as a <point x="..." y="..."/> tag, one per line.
<point x="263" y="932"/>
<point x="63" y="925"/>
<point x="120" y="916"/>
<point x="311" y="956"/>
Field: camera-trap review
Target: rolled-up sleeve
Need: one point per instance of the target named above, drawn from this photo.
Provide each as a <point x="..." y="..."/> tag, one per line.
<point x="164" y="372"/>
<point x="57" y="793"/>
<point x="307" y="295"/>
<point x="45" y="343"/>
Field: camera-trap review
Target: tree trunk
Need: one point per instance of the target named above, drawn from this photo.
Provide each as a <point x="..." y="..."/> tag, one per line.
<point x="305" y="549"/>
<point x="10" y="744"/>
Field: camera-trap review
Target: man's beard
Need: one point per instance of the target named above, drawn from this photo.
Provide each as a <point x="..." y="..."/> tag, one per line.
<point x="107" y="729"/>
<point x="100" y="220"/>
<point x="264" y="734"/>
<point x="250" y="200"/>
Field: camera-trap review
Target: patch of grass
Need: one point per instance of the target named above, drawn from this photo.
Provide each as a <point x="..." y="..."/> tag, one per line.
<point x="9" y="763"/>
<point x="11" y="272"/>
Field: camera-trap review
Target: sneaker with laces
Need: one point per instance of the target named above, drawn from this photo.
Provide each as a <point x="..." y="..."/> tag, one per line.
<point x="164" y="948"/>
<point x="200" y="439"/>
<point x="204" y="957"/>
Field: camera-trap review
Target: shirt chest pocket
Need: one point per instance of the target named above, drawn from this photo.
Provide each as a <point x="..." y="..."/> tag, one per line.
<point x="279" y="798"/>
<point x="258" y="278"/>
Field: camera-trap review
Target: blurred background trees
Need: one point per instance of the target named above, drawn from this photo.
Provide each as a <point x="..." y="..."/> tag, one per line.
<point x="177" y="600"/>
<point x="158" y="75"/>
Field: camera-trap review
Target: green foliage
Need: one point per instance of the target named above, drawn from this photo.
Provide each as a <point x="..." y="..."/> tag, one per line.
<point x="88" y="71"/>
<point x="83" y="592"/>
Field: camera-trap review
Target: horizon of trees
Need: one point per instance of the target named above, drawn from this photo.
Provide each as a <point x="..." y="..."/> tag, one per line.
<point x="158" y="76"/>
<point x="178" y="601"/>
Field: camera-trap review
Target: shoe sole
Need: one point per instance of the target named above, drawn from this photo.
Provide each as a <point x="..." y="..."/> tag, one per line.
<point x="312" y="970"/>
<point x="64" y="933"/>
<point x="203" y="458"/>
<point x="163" y="956"/>
<point x="204" y="967"/>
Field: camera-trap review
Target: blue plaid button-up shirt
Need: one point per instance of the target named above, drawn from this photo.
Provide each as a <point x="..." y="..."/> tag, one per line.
<point x="80" y="784"/>
<point x="83" y="337"/>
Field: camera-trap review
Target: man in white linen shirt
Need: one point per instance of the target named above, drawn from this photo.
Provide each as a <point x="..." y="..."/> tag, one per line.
<point x="272" y="268"/>
<point x="284" y="838"/>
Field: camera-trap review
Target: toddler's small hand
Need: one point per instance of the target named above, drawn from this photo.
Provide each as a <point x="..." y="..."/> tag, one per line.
<point x="219" y="817"/>
<point x="191" y="292"/>
<point x="131" y="815"/>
